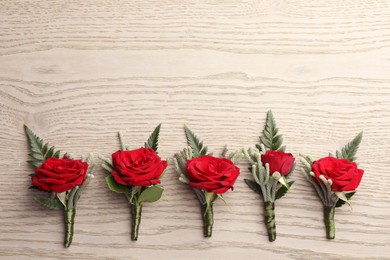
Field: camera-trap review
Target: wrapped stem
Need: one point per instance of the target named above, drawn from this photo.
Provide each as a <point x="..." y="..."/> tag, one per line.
<point x="269" y="214"/>
<point x="69" y="215"/>
<point x="136" y="211"/>
<point x="329" y="222"/>
<point x="208" y="219"/>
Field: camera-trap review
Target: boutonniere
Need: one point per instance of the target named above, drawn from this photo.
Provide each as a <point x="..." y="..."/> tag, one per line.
<point x="335" y="179"/>
<point x="62" y="178"/>
<point x="208" y="176"/>
<point x="271" y="167"/>
<point x="136" y="174"/>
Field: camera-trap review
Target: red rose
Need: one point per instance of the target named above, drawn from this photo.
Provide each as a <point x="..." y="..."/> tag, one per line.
<point x="59" y="175"/>
<point x="141" y="167"/>
<point x="344" y="174"/>
<point x="278" y="161"/>
<point x="212" y="174"/>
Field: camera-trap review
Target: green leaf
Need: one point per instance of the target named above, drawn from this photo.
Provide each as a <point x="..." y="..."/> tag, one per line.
<point x="259" y="148"/>
<point x="201" y="196"/>
<point x="151" y="194"/>
<point x="51" y="203"/>
<point x="210" y="197"/>
<point x="253" y="185"/>
<point x="134" y="191"/>
<point x="153" y="139"/>
<point x="198" y="149"/>
<point x="349" y="151"/>
<point x="39" y="152"/>
<point x="283" y="190"/>
<point x="271" y="139"/>
<point x="56" y="154"/>
<point x="116" y="187"/>
<point x="71" y="197"/>
<point x="341" y="202"/>
<point x="62" y="198"/>
<point x="34" y="163"/>
<point x="282" y="180"/>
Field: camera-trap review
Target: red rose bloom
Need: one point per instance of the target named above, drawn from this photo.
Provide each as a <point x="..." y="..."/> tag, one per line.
<point x="212" y="174"/>
<point x="141" y="167"/>
<point x="278" y="161"/>
<point x="344" y="174"/>
<point x="59" y="175"/>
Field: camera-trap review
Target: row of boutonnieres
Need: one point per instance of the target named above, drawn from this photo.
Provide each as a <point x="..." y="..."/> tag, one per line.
<point x="137" y="173"/>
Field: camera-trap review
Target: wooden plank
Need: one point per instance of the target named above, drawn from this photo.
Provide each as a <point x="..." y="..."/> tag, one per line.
<point x="77" y="72"/>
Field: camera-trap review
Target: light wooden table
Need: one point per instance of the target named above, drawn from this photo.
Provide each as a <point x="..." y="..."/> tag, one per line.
<point x="78" y="71"/>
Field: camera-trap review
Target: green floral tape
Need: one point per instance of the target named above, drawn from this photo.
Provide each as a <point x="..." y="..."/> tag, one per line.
<point x="69" y="215"/>
<point x="208" y="219"/>
<point x="329" y="222"/>
<point x="136" y="211"/>
<point x="269" y="214"/>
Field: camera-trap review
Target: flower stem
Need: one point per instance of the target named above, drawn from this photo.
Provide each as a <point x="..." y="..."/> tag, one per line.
<point x="208" y="219"/>
<point x="269" y="214"/>
<point x="329" y="222"/>
<point x="69" y="215"/>
<point x="136" y="211"/>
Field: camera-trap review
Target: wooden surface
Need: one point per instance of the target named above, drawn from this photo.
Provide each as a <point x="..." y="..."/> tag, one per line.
<point x="78" y="71"/>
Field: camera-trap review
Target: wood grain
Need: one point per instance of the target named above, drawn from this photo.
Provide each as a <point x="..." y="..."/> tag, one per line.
<point x="79" y="71"/>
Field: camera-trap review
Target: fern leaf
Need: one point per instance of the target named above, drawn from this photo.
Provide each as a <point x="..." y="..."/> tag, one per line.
<point x="153" y="139"/>
<point x="39" y="152"/>
<point x="270" y="138"/>
<point x="198" y="149"/>
<point x="349" y="151"/>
